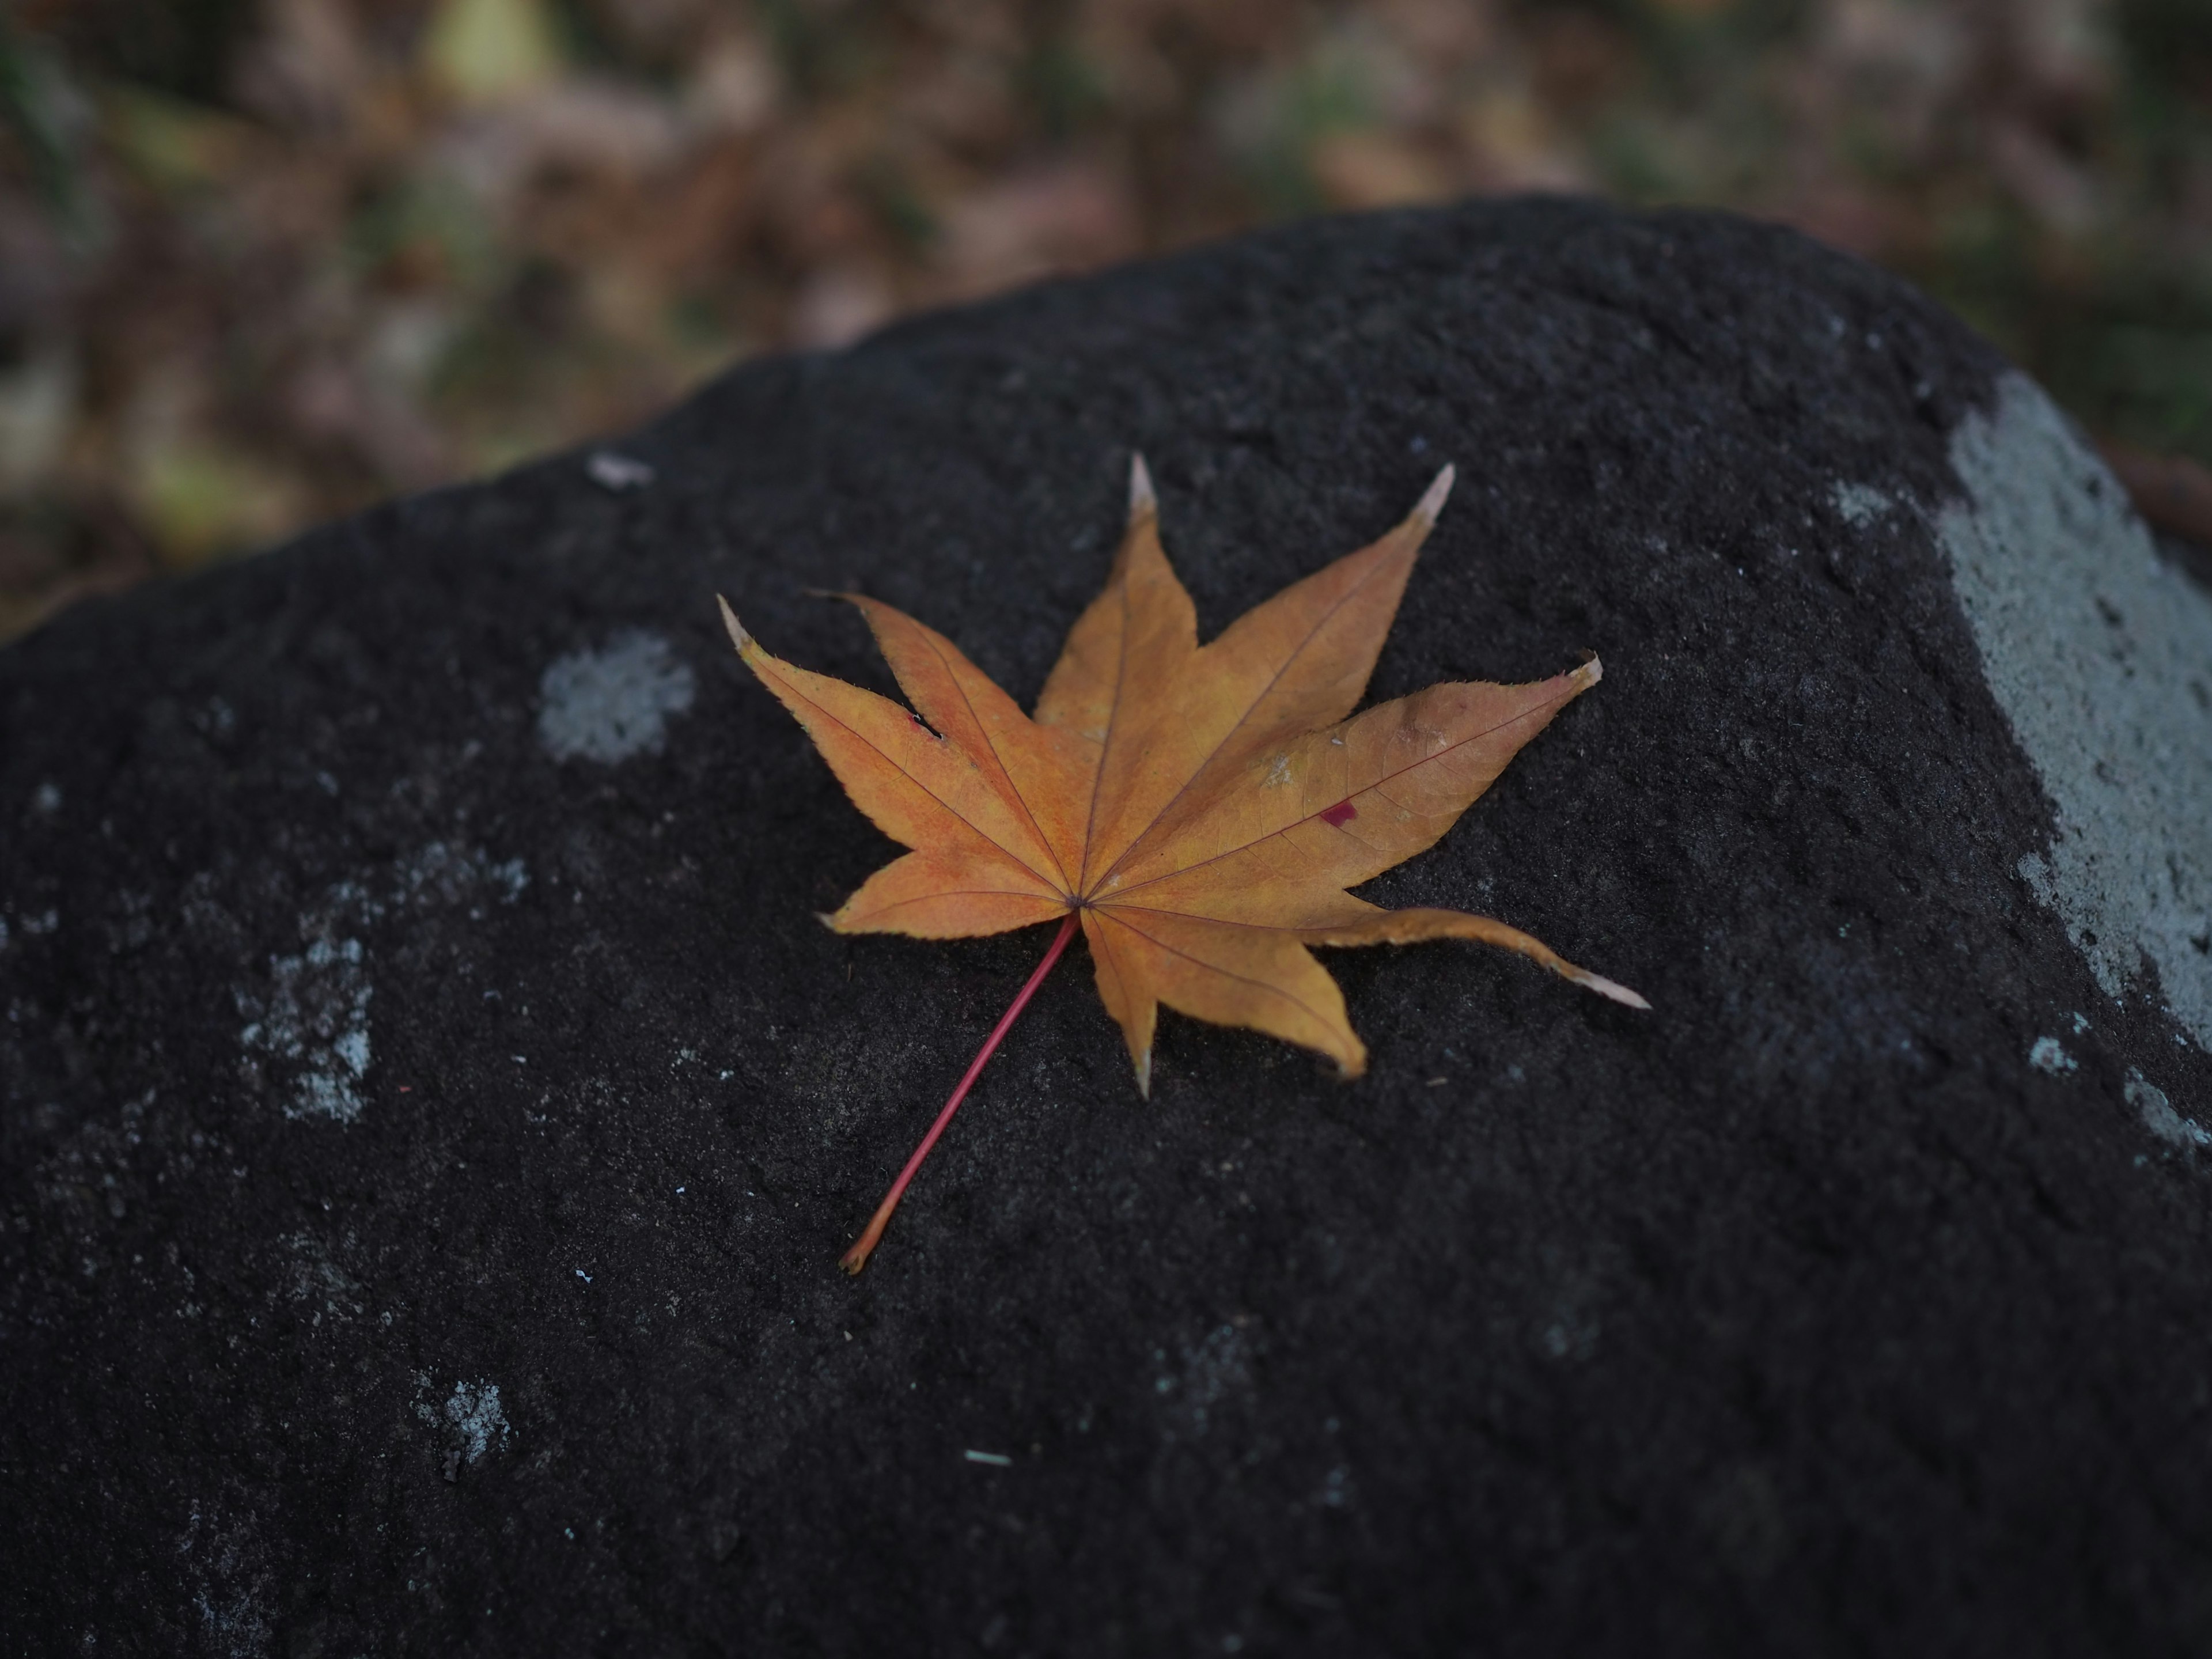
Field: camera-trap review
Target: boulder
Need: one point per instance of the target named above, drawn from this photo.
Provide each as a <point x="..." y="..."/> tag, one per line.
<point x="433" y="1112"/>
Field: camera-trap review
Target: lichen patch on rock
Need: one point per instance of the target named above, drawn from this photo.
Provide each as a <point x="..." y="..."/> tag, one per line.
<point x="307" y="1036"/>
<point x="2160" y="1117"/>
<point x="2101" y="653"/>
<point x="609" y="704"/>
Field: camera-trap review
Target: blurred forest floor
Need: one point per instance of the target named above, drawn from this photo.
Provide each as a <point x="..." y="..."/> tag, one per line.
<point x="264" y="261"/>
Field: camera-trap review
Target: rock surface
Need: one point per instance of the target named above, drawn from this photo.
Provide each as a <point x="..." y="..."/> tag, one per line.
<point x="432" y="1112"/>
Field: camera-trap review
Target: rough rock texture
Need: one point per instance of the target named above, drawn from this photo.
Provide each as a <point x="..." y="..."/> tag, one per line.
<point x="432" y="1112"/>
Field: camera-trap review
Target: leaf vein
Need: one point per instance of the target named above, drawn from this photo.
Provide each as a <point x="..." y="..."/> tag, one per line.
<point x="1388" y="777"/>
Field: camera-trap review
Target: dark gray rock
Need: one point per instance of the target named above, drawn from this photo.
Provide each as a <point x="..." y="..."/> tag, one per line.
<point x="432" y="1112"/>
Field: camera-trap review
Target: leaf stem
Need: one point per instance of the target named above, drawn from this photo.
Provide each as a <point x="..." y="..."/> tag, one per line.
<point x="857" y="1258"/>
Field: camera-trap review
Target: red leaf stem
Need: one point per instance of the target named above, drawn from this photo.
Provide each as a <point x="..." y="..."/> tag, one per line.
<point x="857" y="1258"/>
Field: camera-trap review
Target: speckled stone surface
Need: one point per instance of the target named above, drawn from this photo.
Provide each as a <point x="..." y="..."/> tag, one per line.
<point x="430" y="1114"/>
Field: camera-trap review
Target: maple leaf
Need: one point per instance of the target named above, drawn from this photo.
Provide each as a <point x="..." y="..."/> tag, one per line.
<point x="1198" y="810"/>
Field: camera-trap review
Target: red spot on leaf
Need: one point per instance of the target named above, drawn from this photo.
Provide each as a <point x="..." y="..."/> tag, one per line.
<point x="1339" y="815"/>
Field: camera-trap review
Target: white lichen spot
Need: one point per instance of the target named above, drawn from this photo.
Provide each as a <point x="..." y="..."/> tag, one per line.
<point x="609" y="704"/>
<point x="471" y="1414"/>
<point x="1216" y="1369"/>
<point x="227" y="1567"/>
<point x="2160" y="1117"/>
<point x="308" y="1037"/>
<point x="317" y="1278"/>
<point x="617" y="472"/>
<point x="2096" y="650"/>
<point x="1278" y="773"/>
<point x="1860" y="505"/>
<point x="2047" y="1056"/>
<point x="350" y="897"/>
<point x="47" y="799"/>
<point x="452" y="875"/>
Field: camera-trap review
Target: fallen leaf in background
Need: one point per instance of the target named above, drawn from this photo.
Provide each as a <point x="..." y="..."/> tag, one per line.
<point x="838" y="305"/>
<point x="483" y="51"/>
<point x="1373" y="170"/>
<point x="1198" y="810"/>
<point x="1045" y="224"/>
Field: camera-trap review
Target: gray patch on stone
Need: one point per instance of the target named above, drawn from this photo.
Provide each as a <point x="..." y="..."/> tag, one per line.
<point x="457" y="875"/>
<point x="2046" y="1055"/>
<point x="1214" y="1370"/>
<point x="609" y="704"/>
<point x="317" y="1277"/>
<point x="1859" y="505"/>
<point x="617" y="472"/>
<point x="471" y="1415"/>
<point x="2160" y="1117"/>
<point x="227" y="1565"/>
<point x="2100" y="654"/>
<point x="309" y="1035"/>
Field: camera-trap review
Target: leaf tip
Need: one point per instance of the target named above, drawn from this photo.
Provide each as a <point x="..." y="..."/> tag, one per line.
<point x="1144" y="1075"/>
<point x="1142" y="500"/>
<point x="1606" y="988"/>
<point x="738" y="637"/>
<point x="1432" y="503"/>
<point x="1589" y="674"/>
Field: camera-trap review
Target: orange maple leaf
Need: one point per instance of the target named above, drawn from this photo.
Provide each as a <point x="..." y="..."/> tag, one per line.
<point x="1200" y="809"/>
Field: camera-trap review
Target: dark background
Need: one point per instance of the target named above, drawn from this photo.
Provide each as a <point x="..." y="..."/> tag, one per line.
<point x="265" y="261"/>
